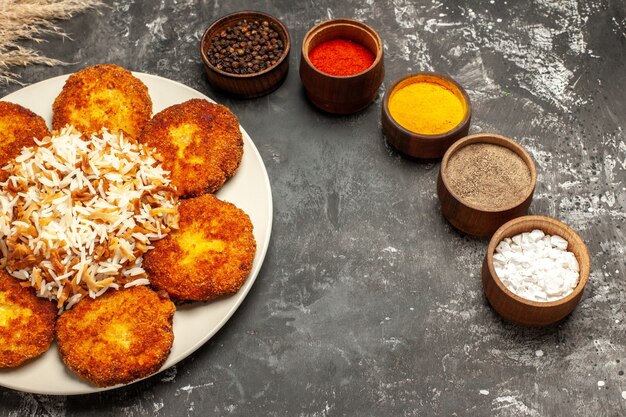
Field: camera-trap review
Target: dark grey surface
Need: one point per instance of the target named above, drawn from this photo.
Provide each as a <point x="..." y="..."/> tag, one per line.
<point x="368" y="302"/>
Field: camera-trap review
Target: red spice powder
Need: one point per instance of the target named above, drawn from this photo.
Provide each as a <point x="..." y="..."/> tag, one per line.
<point x="341" y="57"/>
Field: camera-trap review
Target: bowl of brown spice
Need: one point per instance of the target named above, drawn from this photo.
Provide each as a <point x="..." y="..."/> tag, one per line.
<point x="342" y="65"/>
<point x="246" y="54"/>
<point x="484" y="181"/>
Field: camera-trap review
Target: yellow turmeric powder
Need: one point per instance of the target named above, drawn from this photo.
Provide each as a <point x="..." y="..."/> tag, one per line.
<point x="426" y="107"/>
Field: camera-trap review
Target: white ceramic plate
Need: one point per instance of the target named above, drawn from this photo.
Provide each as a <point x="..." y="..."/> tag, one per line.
<point x="249" y="190"/>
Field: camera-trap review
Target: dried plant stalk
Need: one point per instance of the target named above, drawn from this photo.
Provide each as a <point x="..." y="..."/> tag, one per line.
<point x="30" y="20"/>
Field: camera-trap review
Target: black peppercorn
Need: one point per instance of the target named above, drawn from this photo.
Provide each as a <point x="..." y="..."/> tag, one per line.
<point x="246" y="48"/>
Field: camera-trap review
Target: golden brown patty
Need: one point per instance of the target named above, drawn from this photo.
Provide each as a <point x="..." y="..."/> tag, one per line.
<point x="26" y="322"/>
<point x="103" y="96"/>
<point x="118" y="337"/>
<point x="209" y="256"/>
<point x="18" y="127"/>
<point x="200" y="142"/>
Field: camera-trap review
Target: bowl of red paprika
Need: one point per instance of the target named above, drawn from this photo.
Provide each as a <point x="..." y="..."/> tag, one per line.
<point x="246" y="53"/>
<point x="342" y="65"/>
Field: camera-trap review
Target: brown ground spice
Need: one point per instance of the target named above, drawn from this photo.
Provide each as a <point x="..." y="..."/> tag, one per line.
<point x="488" y="176"/>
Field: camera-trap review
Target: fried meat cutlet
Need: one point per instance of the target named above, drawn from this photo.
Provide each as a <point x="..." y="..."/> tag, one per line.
<point x="209" y="256"/>
<point x="118" y="337"/>
<point x="26" y="322"/>
<point x="100" y="96"/>
<point x="18" y="127"/>
<point x="200" y="142"/>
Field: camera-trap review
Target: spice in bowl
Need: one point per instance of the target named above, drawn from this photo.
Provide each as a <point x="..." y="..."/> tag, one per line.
<point x="536" y="266"/>
<point x="341" y="57"/>
<point x="341" y="65"/>
<point x="247" y="47"/>
<point x="488" y="176"/>
<point x="427" y="105"/>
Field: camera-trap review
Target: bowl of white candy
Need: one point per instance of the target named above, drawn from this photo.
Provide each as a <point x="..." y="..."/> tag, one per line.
<point x="535" y="270"/>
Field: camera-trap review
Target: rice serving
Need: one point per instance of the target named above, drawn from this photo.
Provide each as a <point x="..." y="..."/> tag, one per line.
<point x="77" y="215"/>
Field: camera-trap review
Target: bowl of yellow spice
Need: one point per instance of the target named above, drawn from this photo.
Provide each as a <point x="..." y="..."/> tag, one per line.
<point x="423" y="114"/>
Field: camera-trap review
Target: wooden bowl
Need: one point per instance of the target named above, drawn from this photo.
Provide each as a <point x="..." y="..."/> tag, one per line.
<point x="470" y="218"/>
<point x="526" y="312"/>
<point x="335" y="94"/>
<point x="418" y="145"/>
<point x="246" y="85"/>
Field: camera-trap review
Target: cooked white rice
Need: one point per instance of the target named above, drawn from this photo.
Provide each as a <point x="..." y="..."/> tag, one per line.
<point x="77" y="215"/>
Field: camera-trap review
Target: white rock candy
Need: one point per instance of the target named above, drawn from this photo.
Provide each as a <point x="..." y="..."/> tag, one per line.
<point x="558" y="242"/>
<point x="536" y="235"/>
<point x="536" y="266"/>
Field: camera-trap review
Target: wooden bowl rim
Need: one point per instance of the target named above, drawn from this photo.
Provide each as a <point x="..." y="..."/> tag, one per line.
<point x="421" y="137"/>
<point x="342" y="22"/>
<point x="572" y="238"/>
<point x="232" y="17"/>
<point x="494" y="139"/>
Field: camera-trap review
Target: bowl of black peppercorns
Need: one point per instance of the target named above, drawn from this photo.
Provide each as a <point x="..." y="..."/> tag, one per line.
<point x="246" y="54"/>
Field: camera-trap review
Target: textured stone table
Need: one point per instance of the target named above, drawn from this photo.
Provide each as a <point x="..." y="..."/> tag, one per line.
<point x="368" y="302"/>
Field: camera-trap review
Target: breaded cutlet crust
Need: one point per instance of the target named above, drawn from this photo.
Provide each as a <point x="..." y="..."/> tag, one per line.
<point x="119" y="337"/>
<point x="200" y="142"/>
<point x="26" y="322"/>
<point x="103" y="96"/>
<point x="18" y="128"/>
<point x="208" y="257"/>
